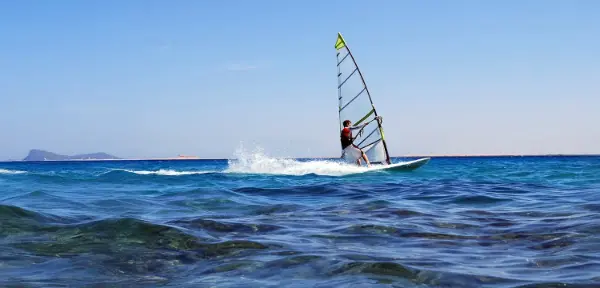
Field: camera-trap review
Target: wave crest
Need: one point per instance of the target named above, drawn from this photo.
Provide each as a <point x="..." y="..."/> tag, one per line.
<point x="165" y="172"/>
<point x="257" y="162"/>
<point x="11" y="172"/>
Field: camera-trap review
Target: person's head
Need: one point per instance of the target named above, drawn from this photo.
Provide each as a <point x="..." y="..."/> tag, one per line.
<point x="347" y="123"/>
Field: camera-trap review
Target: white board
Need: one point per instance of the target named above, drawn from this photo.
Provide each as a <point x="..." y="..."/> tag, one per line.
<point x="402" y="166"/>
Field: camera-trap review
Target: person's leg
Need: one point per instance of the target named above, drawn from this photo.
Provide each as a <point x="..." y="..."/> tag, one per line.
<point x="359" y="154"/>
<point x="364" y="156"/>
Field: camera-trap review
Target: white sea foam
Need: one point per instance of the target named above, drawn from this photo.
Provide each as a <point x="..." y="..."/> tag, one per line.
<point x="257" y="162"/>
<point x="5" y="171"/>
<point x="166" y="172"/>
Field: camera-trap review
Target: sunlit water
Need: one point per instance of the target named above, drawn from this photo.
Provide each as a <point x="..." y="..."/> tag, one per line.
<point x="264" y="222"/>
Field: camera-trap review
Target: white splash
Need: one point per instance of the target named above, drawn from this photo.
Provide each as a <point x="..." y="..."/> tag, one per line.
<point x="12" y="172"/>
<point x="257" y="162"/>
<point x="167" y="172"/>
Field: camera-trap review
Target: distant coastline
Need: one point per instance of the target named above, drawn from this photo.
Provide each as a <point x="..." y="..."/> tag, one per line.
<point x="42" y="155"/>
<point x="37" y="155"/>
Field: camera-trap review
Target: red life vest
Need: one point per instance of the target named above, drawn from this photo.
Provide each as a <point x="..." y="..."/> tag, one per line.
<point x="346" y="137"/>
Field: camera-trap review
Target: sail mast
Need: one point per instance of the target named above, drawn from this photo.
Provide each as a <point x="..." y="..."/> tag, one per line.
<point x="339" y="90"/>
<point x="339" y="44"/>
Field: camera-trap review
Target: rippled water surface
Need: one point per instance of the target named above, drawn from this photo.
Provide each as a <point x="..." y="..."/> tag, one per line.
<point x="263" y="222"/>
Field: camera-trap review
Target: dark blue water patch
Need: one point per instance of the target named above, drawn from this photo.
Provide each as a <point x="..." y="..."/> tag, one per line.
<point x="475" y="200"/>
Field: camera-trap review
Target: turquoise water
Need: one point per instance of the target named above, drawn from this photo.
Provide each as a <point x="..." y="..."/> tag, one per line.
<point x="264" y="222"/>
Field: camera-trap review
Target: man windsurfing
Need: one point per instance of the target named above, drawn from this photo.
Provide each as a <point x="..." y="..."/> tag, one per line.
<point x="351" y="152"/>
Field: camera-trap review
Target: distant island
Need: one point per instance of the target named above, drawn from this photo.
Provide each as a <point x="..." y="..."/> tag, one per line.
<point x="41" y="155"/>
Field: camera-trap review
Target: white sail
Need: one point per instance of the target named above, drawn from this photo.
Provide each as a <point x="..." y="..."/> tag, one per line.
<point x="356" y="105"/>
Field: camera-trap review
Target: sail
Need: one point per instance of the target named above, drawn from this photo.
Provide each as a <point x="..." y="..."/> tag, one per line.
<point x="356" y="105"/>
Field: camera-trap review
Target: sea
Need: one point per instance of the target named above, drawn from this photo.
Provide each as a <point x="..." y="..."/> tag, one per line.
<point x="261" y="221"/>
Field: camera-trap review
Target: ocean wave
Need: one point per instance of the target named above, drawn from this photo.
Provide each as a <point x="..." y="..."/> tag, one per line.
<point x="299" y="190"/>
<point x="261" y="221"/>
<point x="11" y="172"/>
<point x="112" y="235"/>
<point x="165" y="172"/>
<point x="110" y="175"/>
<point x="257" y="162"/>
<point x="225" y="226"/>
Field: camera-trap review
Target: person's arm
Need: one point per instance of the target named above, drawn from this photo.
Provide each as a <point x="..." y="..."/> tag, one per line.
<point x="359" y="126"/>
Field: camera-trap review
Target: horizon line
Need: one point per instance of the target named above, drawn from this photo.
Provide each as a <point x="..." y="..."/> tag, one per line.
<point x="192" y="158"/>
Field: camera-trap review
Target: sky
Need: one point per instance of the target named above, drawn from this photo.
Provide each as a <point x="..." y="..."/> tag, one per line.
<point x="162" y="78"/>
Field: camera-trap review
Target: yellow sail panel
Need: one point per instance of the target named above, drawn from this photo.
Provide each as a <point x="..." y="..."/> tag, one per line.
<point x="340" y="43"/>
<point x="365" y="117"/>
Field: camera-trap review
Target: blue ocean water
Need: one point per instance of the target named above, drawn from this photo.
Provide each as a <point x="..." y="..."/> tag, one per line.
<point x="265" y="222"/>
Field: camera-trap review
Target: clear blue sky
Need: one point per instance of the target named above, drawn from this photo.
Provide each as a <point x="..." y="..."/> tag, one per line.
<point x="159" y="78"/>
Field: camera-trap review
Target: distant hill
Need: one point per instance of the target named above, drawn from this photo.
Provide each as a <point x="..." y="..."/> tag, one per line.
<point x="41" y="155"/>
